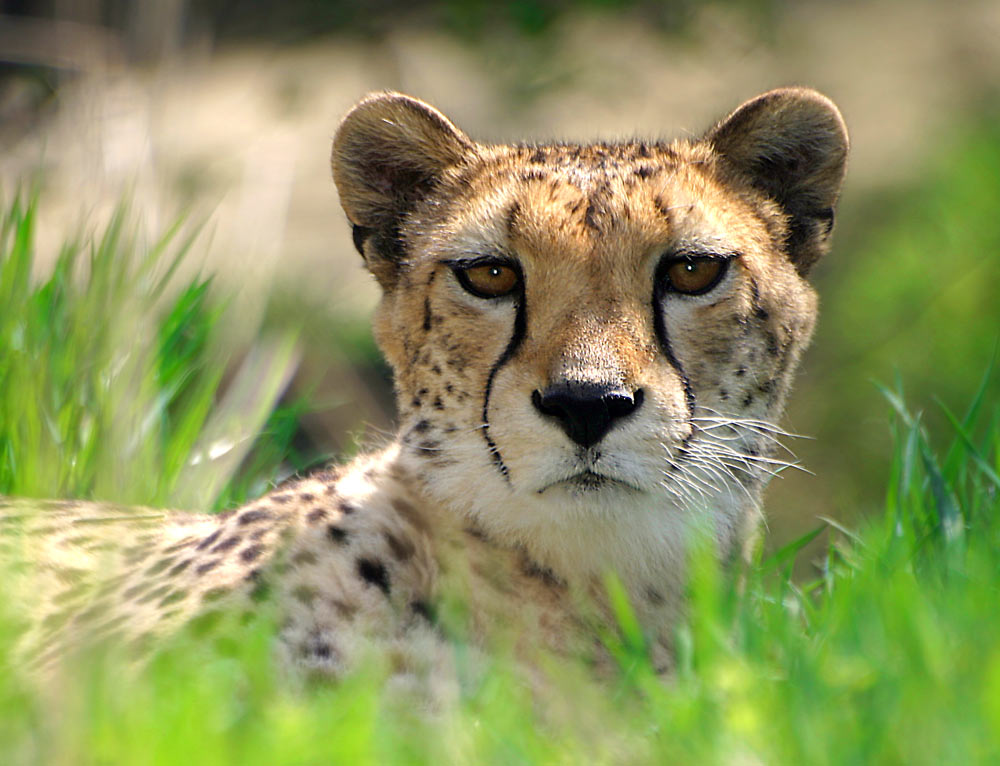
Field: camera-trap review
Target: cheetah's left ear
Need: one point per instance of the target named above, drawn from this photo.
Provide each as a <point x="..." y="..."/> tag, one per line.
<point x="389" y="153"/>
<point x="791" y="144"/>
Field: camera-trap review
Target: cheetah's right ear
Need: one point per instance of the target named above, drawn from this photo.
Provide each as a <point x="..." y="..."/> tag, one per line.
<point x="791" y="144"/>
<point x="388" y="153"/>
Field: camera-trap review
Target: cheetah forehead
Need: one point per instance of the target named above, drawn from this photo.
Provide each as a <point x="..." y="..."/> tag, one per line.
<point x="637" y="193"/>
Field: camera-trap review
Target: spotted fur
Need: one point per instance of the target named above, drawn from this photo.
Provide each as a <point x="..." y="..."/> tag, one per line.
<point x="486" y="497"/>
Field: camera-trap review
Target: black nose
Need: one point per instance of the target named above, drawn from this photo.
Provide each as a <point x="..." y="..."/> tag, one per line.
<point x="586" y="411"/>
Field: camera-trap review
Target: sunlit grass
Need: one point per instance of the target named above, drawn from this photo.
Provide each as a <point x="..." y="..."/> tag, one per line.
<point x="110" y="372"/>
<point x="110" y="386"/>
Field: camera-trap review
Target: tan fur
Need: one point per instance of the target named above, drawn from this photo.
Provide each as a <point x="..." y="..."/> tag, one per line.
<point x="485" y="497"/>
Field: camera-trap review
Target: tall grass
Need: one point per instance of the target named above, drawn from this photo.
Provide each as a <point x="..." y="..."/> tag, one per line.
<point x="110" y="372"/>
<point x="110" y="387"/>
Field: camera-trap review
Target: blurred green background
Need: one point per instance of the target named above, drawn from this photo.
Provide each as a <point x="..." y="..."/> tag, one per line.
<point x="222" y="111"/>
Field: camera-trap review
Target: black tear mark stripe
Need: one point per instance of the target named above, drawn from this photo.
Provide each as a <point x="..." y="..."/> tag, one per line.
<point x="520" y="322"/>
<point x="660" y="328"/>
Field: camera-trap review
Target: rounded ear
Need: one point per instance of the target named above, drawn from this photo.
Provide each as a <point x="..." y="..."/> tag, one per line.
<point x="389" y="151"/>
<point x="791" y="144"/>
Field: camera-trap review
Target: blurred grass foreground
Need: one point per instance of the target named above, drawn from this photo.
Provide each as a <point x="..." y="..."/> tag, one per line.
<point x="111" y="385"/>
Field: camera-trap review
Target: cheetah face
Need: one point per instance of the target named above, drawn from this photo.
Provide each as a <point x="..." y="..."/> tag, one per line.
<point x="592" y="327"/>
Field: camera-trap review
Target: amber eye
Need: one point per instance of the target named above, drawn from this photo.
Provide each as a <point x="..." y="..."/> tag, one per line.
<point x="694" y="275"/>
<point x="489" y="280"/>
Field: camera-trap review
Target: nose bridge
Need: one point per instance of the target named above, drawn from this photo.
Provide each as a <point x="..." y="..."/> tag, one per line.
<point x="599" y="345"/>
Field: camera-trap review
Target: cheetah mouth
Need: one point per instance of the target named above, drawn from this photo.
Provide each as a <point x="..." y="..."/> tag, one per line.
<point x="588" y="481"/>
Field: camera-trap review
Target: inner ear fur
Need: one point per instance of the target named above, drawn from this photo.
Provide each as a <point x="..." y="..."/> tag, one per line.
<point x="791" y="144"/>
<point x="389" y="151"/>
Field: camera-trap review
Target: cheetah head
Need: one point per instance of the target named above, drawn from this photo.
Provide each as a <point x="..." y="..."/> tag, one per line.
<point x="593" y="337"/>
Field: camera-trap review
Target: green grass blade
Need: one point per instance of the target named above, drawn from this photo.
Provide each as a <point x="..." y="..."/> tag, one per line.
<point x="970" y="448"/>
<point x="787" y="553"/>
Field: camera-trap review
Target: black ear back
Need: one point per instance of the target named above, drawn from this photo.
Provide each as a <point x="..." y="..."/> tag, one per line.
<point x="791" y="144"/>
<point x="388" y="152"/>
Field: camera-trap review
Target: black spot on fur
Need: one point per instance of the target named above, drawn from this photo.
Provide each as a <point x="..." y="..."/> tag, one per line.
<point x="253" y="515"/>
<point x="304" y="556"/>
<point x="179" y="568"/>
<point x="345" y="610"/>
<point x="476" y="533"/>
<point x="537" y="157"/>
<point x="346" y="508"/>
<point x="654" y="596"/>
<point x="402" y="549"/>
<point x="747" y="400"/>
<point x="179" y="546"/>
<point x="159" y="566"/>
<point x="316" y="515"/>
<point x="741" y="372"/>
<point x="772" y="343"/>
<point x="227" y="544"/>
<point x="590" y="217"/>
<point x="153" y="594"/>
<point x="173" y="598"/>
<point x="136" y="590"/>
<point x="374" y="572"/>
<point x="91" y="613"/>
<point x="337" y="534"/>
<point x="251" y="553"/>
<point x="662" y="207"/>
<point x="304" y="594"/>
<point x="321" y="649"/>
<point x="536" y="572"/>
<point x="209" y="540"/>
<point x="56" y="620"/>
<point x="306" y="497"/>
<point x="70" y="593"/>
<point x="423" y="609"/>
<point x="427" y="314"/>
<point x="208" y="566"/>
<point x="282" y="499"/>
<point x="513" y="212"/>
<point x="135" y="554"/>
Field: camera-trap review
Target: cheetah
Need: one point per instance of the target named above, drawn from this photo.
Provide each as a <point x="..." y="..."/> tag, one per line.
<point x="591" y="345"/>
